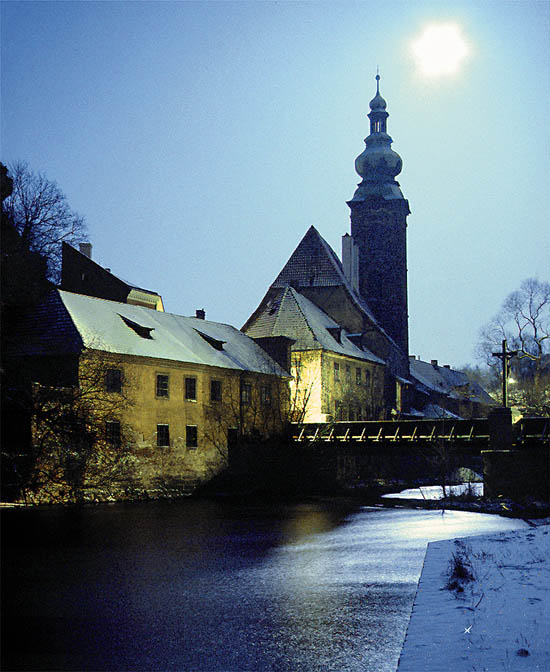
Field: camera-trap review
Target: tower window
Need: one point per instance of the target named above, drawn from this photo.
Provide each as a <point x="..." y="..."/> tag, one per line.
<point x="336" y="371"/>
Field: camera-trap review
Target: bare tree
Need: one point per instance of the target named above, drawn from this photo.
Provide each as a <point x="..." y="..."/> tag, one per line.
<point x="76" y="440"/>
<point x="524" y="321"/>
<point x="40" y="213"/>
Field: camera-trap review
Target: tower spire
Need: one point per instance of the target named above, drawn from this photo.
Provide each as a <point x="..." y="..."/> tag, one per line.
<point x="378" y="164"/>
<point x="378" y="228"/>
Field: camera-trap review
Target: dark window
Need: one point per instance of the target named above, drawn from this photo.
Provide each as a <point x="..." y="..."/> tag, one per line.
<point x="112" y="433"/>
<point x="358" y="377"/>
<point x="215" y="390"/>
<point x="339" y="411"/>
<point x="162" y="385"/>
<point x="367" y="377"/>
<point x="163" y="435"/>
<point x="246" y="393"/>
<point x="336" y="371"/>
<point x="113" y="380"/>
<point x="191" y="389"/>
<point x="348" y="372"/>
<point x="191" y="440"/>
<point x="351" y="413"/>
<point x="265" y="395"/>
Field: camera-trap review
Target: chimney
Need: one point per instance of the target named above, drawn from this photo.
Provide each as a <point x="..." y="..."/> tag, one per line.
<point x="200" y="314"/>
<point x="434" y="363"/>
<point x="412" y="358"/>
<point x="86" y="249"/>
<point x="446" y="366"/>
<point x="350" y="261"/>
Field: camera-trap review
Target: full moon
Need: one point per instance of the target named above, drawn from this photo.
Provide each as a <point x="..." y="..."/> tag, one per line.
<point x="440" y="49"/>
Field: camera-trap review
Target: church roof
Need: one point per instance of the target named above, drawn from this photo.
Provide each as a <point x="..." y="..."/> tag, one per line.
<point x="290" y="314"/>
<point x="315" y="264"/>
<point x="312" y="264"/>
<point x="67" y="320"/>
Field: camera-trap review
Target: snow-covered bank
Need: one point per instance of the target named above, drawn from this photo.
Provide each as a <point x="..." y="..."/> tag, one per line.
<point x="491" y="613"/>
<point x="436" y="491"/>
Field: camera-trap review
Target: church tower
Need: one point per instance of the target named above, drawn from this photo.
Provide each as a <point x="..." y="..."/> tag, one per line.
<point x="379" y="227"/>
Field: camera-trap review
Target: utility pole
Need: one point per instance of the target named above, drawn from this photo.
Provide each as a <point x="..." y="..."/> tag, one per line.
<point x="505" y="356"/>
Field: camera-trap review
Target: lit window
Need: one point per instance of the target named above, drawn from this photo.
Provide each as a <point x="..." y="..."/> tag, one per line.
<point x="113" y="380"/>
<point x="191" y="438"/>
<point x="215" y="390"/>
<point x="112" y="433"/>
<point x="162" y="385"/>
<point x="358" y="377"/>
<point x="336" y="371"/>
<point x="191" y="389"/>
<point x="163" y="435"/>
<point x="246" y="393"/>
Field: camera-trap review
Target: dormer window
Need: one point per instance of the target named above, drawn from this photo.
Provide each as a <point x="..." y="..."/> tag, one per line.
<point x="336" y="333"/>
<point x="144" y="332"/>
<point x="214" y="342"/>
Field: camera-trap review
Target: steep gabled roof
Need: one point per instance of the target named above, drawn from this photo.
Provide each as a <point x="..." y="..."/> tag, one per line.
<point x="312" y="264"/>
<point x="315" y="264"/>
<point x="290" y="314"/>
<point x="126" y="329"/>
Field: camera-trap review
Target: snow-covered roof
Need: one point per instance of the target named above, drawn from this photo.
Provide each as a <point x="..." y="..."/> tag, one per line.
<point x="447" y="381"/>
<point x="291" y="314"/>
<point x="435" y="411"/>
<point x="128" y="329"/>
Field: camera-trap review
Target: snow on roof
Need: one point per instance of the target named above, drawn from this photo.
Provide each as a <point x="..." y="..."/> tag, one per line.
<point x="435" y="411"/>
<point x="293" y="315"/>
<point x="135" y="330"/>
<point x="450" y="382"/>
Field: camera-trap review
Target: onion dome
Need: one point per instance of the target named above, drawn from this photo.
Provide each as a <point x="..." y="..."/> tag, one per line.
<point x="378" y="164"/>
<point x="377" y="103"/>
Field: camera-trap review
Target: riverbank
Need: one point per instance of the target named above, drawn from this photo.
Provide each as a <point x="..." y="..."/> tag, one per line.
<point x="465" y="497"/>
<point x="482" y="603"/>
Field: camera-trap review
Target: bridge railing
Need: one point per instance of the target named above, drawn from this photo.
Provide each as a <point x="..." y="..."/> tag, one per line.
<point x="375" y="431"/>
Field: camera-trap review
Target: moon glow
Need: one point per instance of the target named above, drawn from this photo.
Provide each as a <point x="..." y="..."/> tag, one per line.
<point x="440" y="49"/>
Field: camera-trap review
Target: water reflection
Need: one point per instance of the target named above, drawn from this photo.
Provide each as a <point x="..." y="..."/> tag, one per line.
<point x="206" y="586"/>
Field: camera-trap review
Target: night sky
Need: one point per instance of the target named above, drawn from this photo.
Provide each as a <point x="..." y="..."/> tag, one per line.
<point x="200" y="140"/>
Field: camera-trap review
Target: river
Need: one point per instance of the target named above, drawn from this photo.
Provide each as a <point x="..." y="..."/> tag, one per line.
<point x="208" y="586"/>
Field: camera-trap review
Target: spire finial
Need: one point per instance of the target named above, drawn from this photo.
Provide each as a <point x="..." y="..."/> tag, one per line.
<point x="377" y="79"/>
